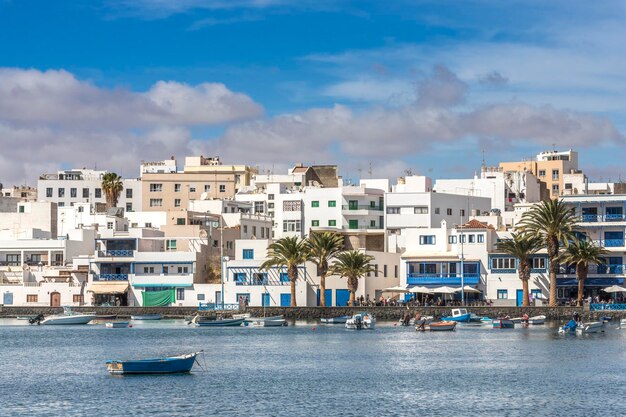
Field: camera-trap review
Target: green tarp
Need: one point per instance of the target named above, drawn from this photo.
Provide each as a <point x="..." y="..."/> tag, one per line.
<point x="158" y="298"/>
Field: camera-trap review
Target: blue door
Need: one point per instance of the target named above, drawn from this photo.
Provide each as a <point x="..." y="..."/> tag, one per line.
<point x="285" y="300"/>
<point x="7" y="300"/>
<point x="265" y="299"/>
<point x="520" y="297"/>
<point x="329" y="297"/>
<point x="342" y="297"/>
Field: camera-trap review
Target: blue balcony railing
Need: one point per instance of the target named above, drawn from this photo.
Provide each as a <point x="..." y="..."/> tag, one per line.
<point x="607" y="307"/>
<point x="442" y="279"/>
<point x="110" y="277"/>
<point x="594" y="218"/>
<point x="126" y="253"/>
<point x="217" y="306"/>
<point x="610" y="269"/>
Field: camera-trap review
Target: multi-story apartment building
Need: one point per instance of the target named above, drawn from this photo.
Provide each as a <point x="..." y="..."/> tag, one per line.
<point x="201" y="178"/>
<point x="69" y="187"/>
<point x="549" y="167"/>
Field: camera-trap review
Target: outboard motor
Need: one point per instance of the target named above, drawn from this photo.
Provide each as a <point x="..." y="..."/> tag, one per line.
<point x="37" y="319"/>
<point x="358" y="321"/>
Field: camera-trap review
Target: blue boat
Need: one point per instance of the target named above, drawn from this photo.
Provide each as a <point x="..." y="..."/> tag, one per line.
<point x="458" y="314"/>
<point x="503" y="324"/>
<point x="167" y="365"/>
<point x="219" y="322"/>
<point x="147" y="317"/>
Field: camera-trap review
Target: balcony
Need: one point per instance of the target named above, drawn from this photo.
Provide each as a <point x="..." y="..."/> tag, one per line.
<point x="352" y="207"/>
<point x="610" y="243"/>
<point x="162" y="280"/>
<point x="110" y="277"/>
<point x="610" y="269"/>
<point x="595" y="218"/>
<point x="117" y="253"/>
<point x="442" y="279"/>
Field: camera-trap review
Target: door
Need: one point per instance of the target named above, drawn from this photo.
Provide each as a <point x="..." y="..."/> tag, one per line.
<point x="55" y="299"/>
<point x="519" y="297"/>
<point x="353" y="224"/>
<point x="342" y="297"/>
<point x="285" y="300"/>
<point x="265" y="299"/>
<point x="7" y="298"/>
<point x="329" y="297"/>
<point x="218" y="298"/>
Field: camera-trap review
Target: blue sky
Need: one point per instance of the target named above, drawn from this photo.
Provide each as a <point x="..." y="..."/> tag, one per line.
<point x="420" y="85"/>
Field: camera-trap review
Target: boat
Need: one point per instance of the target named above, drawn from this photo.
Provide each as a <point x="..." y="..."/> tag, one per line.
<point x="440" y="326"/>
<point x="275" y="321"/>
<point x="116" y="324"/>
<point x="412" y="322"/>
<point x="335" y="320"/>
<point x="167" y="365"/>
<point x="591" y="327"/>
<point x="200" y="321"/>
<point x="569" y="327"/>
<point x="458" y="314"/>
<point x="66" y="318"/>
<point x="145" y="317"/>
<point x="362" y="320"/>
<point x="503" y="323"/>
<point x="25" y="317"/>
<point x="517" y="320"/>
<point x="106" y="317"/>
<point x="622" y="322"/>
<point x="477" y="319"/>
<point x="536" y="320"/>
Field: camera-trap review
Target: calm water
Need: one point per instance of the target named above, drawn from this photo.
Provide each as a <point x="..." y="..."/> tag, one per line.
<point x="298" y="370"/>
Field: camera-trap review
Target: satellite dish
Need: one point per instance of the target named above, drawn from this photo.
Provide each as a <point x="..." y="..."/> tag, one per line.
<point x="204" y="196"/>
<point x="203" y="234"/>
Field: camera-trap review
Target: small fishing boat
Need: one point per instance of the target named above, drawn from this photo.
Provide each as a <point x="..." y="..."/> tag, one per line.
<point x="503" y="323"/>
<point x="116" y="324"/>
<point x="569" y="327"/>
<point x="458" y="314"/>
<point x="335" y="320"/>
<point x="145" y="317"/>
<point x="200" y="321"/>
<point x="276" y="321"/>
<point x="66" y="318"/>
<point x="477" y="319"/>
<point x="440" y="326"/>
<point x="536" y="320"/>
<point x="167" y="365"/>
<point x="413" y="322"/>
<point x="591" y="327"/>
<point x="25" y="317"/>
<point x="361" y="321"/>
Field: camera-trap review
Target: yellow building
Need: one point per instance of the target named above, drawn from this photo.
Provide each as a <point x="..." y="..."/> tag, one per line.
<point x="201" y="178"/>
<point x="549" y="167"/>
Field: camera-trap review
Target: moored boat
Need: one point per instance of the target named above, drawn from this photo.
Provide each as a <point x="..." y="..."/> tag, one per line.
<point x="116" y="324"/>
<point x="591" y="327"/>
<point x="144" y="317"/>
<point x="458" y="314"/>
<point x="216" y="322"/>
<point x="68" y="317"/>
<point x="503" y="323"/>
<point x="362" y="320"/>
<point x="167" y="365"/>
<point x="276" y="321"/>
<point x="25" y="317"/>
<point x="440" y="326"/>
<point x="536" y="320"/>
<point x="622" y="323"/>
<point x="569" y="327"/>
<point x="335" y="320"/>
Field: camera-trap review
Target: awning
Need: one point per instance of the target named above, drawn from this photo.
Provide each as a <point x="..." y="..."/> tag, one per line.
<point x="169" y="285"/>
<point x="119" y="287"/>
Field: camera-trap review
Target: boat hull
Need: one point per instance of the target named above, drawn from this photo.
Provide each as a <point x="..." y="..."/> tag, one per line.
<point x="503" y="324"/>
<point x="169" y="365"/>
<point x="68" y="320"/>
<point x="361" y="321"/>
<point x="220" y="323"/>
<point x="335" y="320"/>
<point x="442" y="326"/>
<point x="147" y="317"/>
<point x="463" y="318"/>
<point x="117" y="325"/>
<point x="537" y="320"/>
<point x="588" y="328"/>
<point x="268" y="323"/>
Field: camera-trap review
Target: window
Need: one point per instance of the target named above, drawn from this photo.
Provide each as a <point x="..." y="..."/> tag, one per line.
<point x="353" y="205"/>
<point x="395" y="271"/>
<point x="284" y="277"/>
<point x="449" y="212"/>
<point x="452" y="239"/>
<point x="393" y="210"/>
<point x="192" y="188"/>
<point x="200" y="297"/>
<point x="177" y="202"/>
<point x="315" y="223"/>
<point x="462" y="212"/>
<point x="427" y="240"/>
<point x="503" y="295"/>
<point x="49" y="192"/>
<point x="222" y="188"/>
<point x="502" y="263"/>
<point x="568" y="186"/>
<point x="385" y="271"/>
<point x="372" y="223"/>
<point x="82" y="209"/>
<point x="156" y="188"/>
<point x="156" y="202"/>
<point x="539" y="263"/>
<point x="315" y="203"/>
<point x="85" y="192"/>
<point x="177" y="188"/>
<point x="129" y="207"/>
<point x="376" y="270"/>
<point x="555" y="174"/>
<point x="462" y="238"/>
<point x="253" y="230"/>
<point x="21" y="209"/>
<point x="180" y="294"/>
<point x="170" y="244"/>
<point x="129" y="193"/>
<point x="183" y="269"/>
<point x="292" y="205"/>
<point x="110" y="225"/>
<point x="270" y="205"/>
<point x="77" y="298"/>
<point x="166" y="270"/>
<point x="239" y="278"/>
<point x="555" y="189"/>
<point x="180" y="221"/>
<point x="61" y="192"/>
<point x="481" y="238"/>
<point x="471" y="238"/>
<point x="270" y="196"/>
<point x="31" y="298"/>
<point x="148" y="270"/>
<point x="332" y="203"/>
<point x="420" y="210"/>
<point x="245" y="228"/>
<point x="332" y="223"/>
<point x="248" y="254"/>
<point x="437" y="210"/>
<point x="353" y="224"/>
<point x="542" y="172"/>
<point x="291" y="225"/>
<point x="98" y="192"/>
<point x="61" y="204"/>
<point x="73" y="192"/>
<point x="148" y="224"/>
<point x="207" y="188"/>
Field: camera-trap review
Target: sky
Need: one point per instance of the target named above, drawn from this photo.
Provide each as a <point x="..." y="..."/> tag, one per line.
<point x="381" y="88"/>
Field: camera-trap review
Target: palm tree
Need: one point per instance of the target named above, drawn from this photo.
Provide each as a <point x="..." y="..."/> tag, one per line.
<point x="582" y="253"/>
<point x="522" y="246"/>
<point x="322" y="247"/>
<point x="287" y="252"/>
<point x="112" y="187"/>
<point x="555" y="224"/>
<point x="352" y="265"/>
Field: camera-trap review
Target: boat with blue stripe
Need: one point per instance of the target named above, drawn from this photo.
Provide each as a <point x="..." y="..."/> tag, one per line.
<point x="168" y="365"/>
<point x="458" y="314"/>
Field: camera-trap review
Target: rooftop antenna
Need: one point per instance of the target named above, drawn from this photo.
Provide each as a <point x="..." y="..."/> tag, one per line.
<point x="484" y="164"/>
<point x="369" y="171"/>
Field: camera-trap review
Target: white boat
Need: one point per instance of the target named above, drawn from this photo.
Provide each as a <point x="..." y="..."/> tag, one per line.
<point x="591" y="327"/>
<point x="412" y="322"/>
<point x="335" y="320"/>
<point x="276" y="321"/>
<point x="116" y="324"/>
<point x="537" y="320"/>
<point x="361" y="321"/>
<point x="145" y="317"/>
<point x="68" y="317"/>
<point x="440" y="326"/>
<point x="622" y="323"/>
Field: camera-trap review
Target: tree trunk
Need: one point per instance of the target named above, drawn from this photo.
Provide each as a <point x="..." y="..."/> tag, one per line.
<point x="292" y="273"/>
<point x="323" y="290"/>
<point x="553" y="253"/>
<point x="581" y="274"/>
<point x="353" y="285"/>
<point x="524" y="275"/>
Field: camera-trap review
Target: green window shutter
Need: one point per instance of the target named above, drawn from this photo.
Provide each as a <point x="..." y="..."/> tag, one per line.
<point x="332" y="203"/>
<point x="315" y="223"/>
<point x="332" y="222"/>
<point x="315" y="203"/>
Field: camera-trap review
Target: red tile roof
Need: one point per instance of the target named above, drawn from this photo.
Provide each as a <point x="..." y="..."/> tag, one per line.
<point x="475" y="224"/>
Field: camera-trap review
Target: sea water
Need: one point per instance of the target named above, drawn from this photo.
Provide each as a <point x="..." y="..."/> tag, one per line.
<point x="313" y="369"/>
